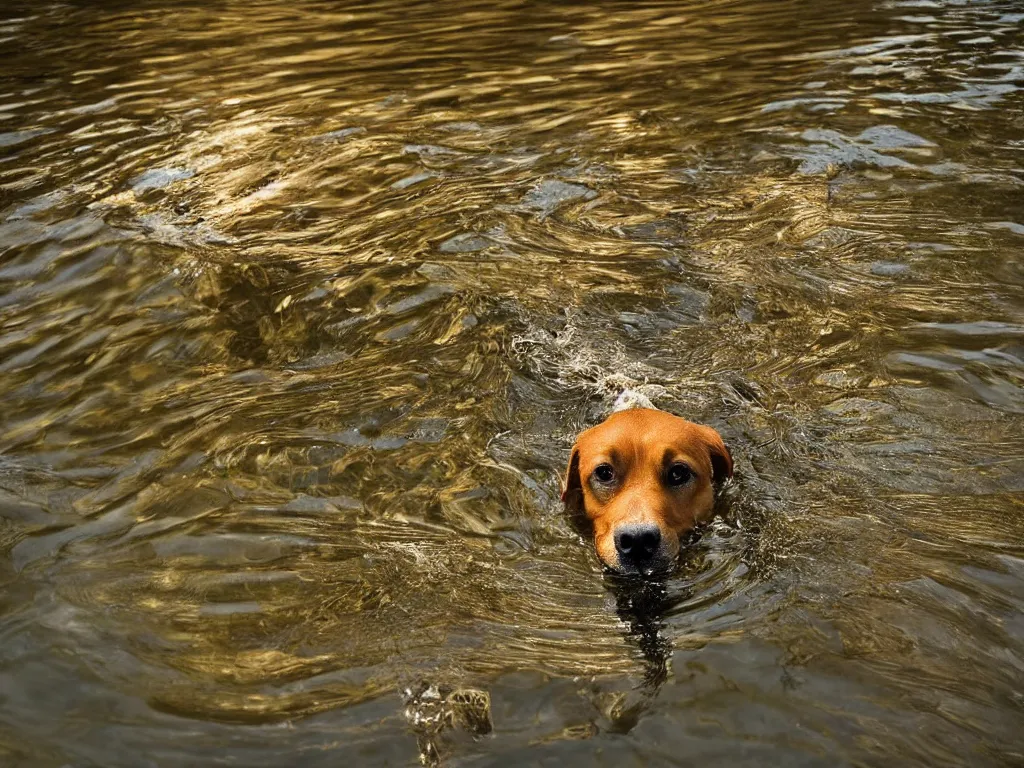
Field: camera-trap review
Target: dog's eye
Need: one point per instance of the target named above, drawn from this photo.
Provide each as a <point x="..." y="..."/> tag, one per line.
<point x="604" y="473"/>
<point x="678" y="474"/>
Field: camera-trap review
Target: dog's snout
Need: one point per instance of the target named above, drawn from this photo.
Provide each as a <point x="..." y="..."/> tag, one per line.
<point x="637" y="544"/>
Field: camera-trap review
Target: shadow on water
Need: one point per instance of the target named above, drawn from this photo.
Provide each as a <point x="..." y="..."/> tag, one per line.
<point x="302" y="305"/>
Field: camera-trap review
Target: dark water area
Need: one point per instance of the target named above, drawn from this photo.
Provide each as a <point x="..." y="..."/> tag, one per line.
<point x="302" y="305"/>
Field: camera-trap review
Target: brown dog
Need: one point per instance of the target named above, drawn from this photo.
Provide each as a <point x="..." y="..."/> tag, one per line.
<point x="644" y="478"/>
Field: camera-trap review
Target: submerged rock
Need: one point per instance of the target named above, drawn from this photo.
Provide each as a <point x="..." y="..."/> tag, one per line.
<point x="158" y="178"/>
<point x="550" y="194"/>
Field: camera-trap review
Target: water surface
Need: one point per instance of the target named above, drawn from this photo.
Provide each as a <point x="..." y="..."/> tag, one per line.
<point x="302" y="304"/>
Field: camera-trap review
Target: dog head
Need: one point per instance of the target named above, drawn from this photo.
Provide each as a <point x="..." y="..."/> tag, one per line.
<point x="644" y="478"/>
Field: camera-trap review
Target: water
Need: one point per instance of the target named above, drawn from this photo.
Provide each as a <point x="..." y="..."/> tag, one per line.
<point x="301" y="305"/>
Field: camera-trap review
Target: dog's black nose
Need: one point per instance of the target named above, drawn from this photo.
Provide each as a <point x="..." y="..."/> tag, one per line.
<point x="637" y="544"/>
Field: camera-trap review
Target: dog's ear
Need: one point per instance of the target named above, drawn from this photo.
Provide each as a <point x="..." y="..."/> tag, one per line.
<point x="721" y="459"/>
<point x="572" y="490"/>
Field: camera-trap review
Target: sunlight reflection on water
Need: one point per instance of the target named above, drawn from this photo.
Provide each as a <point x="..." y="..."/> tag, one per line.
<point x="302" y="307"/>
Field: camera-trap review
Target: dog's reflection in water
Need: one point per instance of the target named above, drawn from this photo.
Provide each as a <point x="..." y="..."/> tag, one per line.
<point x="641" y="604"/>
<point x="644" y="605"/>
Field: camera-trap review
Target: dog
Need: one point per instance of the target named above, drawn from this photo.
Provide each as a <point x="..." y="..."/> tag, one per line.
<point x="644" y="479"/>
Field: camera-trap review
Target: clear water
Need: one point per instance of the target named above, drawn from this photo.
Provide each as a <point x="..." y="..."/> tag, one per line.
<point x="301" y="305"/>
